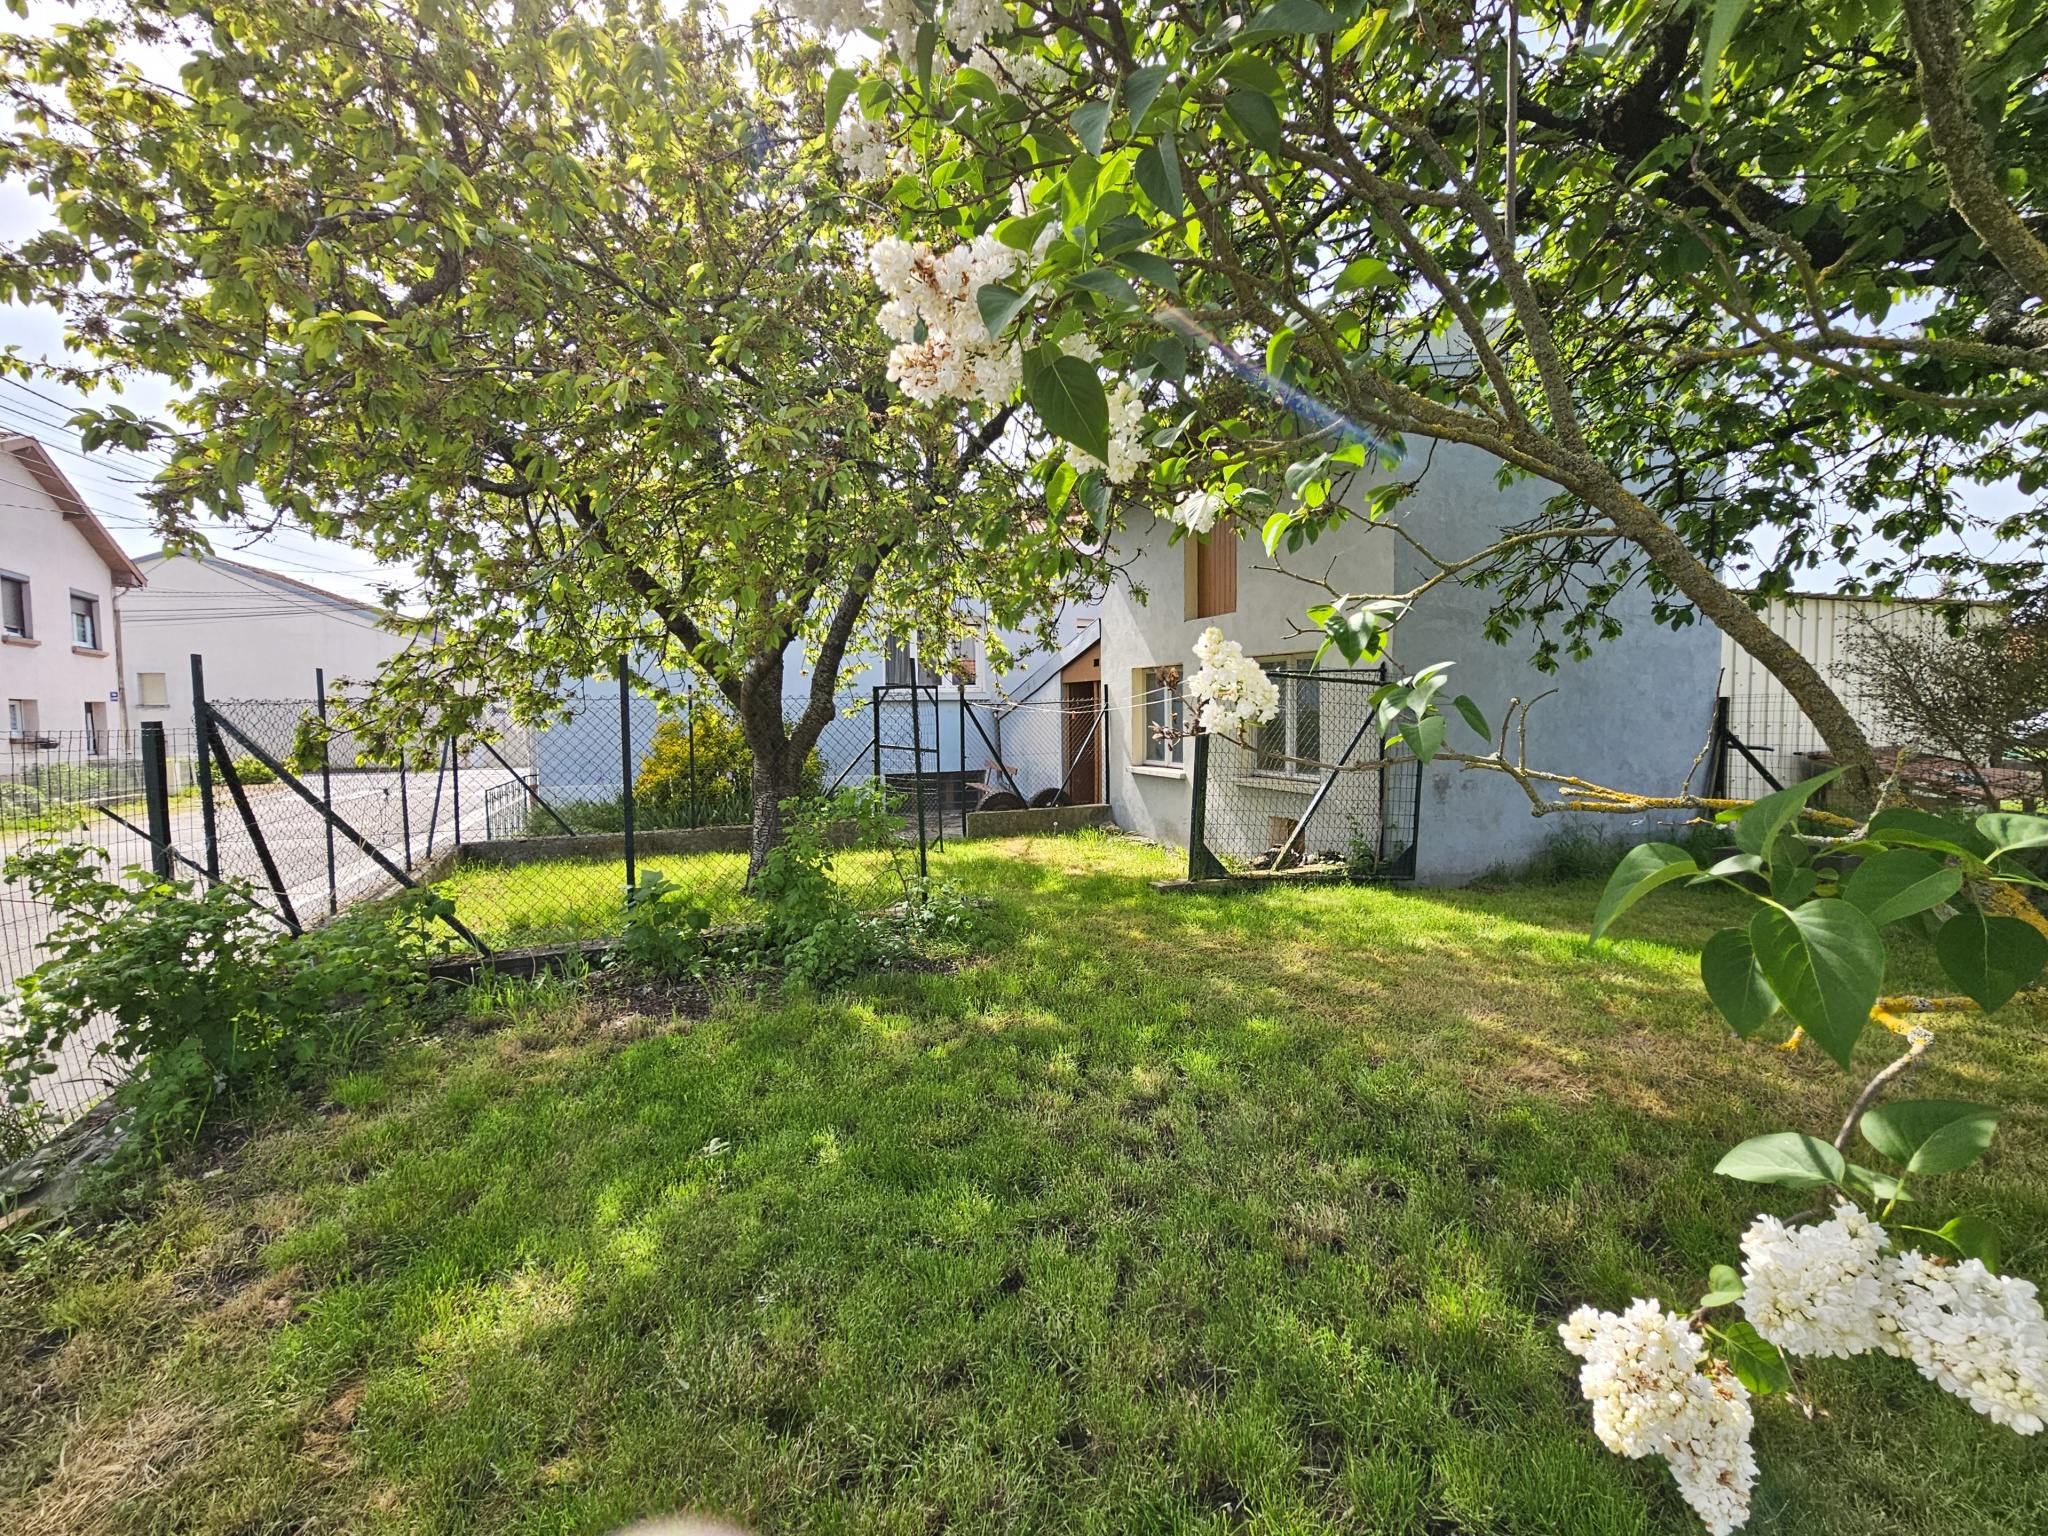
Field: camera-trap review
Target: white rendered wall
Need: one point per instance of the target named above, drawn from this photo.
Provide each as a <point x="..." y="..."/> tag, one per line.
<point x="36" y="542"/>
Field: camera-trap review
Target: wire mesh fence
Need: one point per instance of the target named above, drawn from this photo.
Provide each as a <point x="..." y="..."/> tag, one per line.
<point x="1316" y="787"/>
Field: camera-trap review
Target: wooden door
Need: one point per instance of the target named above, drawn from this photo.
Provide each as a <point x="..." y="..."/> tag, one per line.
<point x="1083" y="742"/>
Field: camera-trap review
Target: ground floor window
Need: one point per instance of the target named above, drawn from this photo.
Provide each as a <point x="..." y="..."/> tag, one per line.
<point x="1163" y="713"/>
<point x="1291" y="743"/>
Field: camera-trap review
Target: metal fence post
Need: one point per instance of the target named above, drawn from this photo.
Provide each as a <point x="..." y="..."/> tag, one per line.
<point x="326" y="782"/>
<point x="626" y="762"/>
<point x="156" y="795"/>
<point x="875" y="706"/>
<point x="455" y="789"/>
<point x="917" y="768"/>
<point x="404" y="811"/>
<point x="692" y="708"/>
<point x="201" y="723"/>
<point x="1202" y="864"/>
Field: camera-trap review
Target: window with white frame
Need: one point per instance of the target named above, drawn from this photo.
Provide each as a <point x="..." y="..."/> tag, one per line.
<point x="85" y="622"/>
<point x="1164" y="716"/>
<point x="1291" y="743"/>
<point x="14" y="606"/>
<point x="22" y="724"/>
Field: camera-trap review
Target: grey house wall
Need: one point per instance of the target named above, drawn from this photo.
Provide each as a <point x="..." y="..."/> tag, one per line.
<point x="1633" y="716"/>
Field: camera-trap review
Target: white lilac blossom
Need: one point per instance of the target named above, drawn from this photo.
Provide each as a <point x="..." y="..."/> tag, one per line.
<point x="862" y="148"/>
<point x="969" y="21"/>
<point x="1197" y="511"/>
<point x="1815" y="1290"/>
<point x="1231" y="690"/>
<point x="956" y="359"/>
<point x="1973" y="1333"/>
<point x="831" y="17"/>
<point x="1127" y="451"/>
<point x="1650" y="1397"/>
<point x="1021" y="73"/>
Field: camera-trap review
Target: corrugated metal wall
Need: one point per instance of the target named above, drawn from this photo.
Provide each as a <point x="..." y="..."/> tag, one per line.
<point x="1823" y="629"/>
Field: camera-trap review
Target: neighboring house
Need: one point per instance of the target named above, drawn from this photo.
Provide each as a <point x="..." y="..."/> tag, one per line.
<point x="1827" y="630"/>
<point x="262" y="635"/>
<point x="1633" y="716"/>
<point x="60" y="573"/>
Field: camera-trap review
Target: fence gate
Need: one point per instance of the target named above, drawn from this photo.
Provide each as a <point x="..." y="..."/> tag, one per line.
<point x="1315" y="787"/>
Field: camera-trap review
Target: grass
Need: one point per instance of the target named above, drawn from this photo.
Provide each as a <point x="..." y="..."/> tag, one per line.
<point x="560" y="900"/>
<point x="1169" y="1214"/>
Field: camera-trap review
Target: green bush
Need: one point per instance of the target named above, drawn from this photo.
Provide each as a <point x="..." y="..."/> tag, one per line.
<point x="249" y="771"/>
<point x="723" y="778"/>
<point x="208" y="1000"/>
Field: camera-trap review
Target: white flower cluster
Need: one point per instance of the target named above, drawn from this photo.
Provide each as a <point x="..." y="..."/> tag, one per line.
<point x="1831" y="1289"/>
<point x="1197" y="511"/>
<point x="1973" y="1333"/>
<point x="1022" y="73"/>
<point x="1650" y="1398"/>
<point x="1232" y="690"/>
<point x="1815" y="1290"/>
<point x="967" y="21"/>
<point x="956" y="359"/>
<point x="1127" y="451"/>
<point x="862" y="147"/>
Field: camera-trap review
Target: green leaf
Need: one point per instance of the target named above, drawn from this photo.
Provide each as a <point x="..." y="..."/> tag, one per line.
<point x="1728" y="968"/>
<point x="1904" y="827"/>
<point x="1641" y="871"/>
<point x="1090" y="123"/>
<point x="1365" y="272"/>
<point x="842" y="85"/>
<point x="1974" y="1238"/>
<point x="1464" y="706"/>
<point x="1825" y="962"/>
<point x="1423" y="736"/>
<point x="1067" y="395"/>
<point x="1255" y="114"/>
<point x="1248" y="69"/>
<point x="1022" y="233"/>
<point x="1721" y="25"/>
<point x="1060" y="486"/>
<point x="1169" y="356"/>
<point x="1158" y="171"/>
<point x="2008" y="831"/>
<point x="1111" y="285"/>
<point x="998" y="306"/>
<point x="1899" y="883"/>
<point x="927" y="43"/>
<point x="1879" y="1186"/>
<point x="1990" y="958"/>
<point x="1760" y="825"/>
<point x="1930" y="1136"/>
<point x="1724" y="1284"/>
<point x="1356" y="632"/>
<point x="1142" y="89"/>
<point x="1156" y="270"/>
<point x="1297" y="16"/>
<point x="1784" y="1157"/>
<point x="1756" y="1362"/>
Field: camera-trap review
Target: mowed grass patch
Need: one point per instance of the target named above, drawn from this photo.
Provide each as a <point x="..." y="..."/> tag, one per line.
<point x="1169" y="1214"/>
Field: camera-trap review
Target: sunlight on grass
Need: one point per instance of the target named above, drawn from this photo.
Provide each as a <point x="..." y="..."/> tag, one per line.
<point x="1168" y="1214"/>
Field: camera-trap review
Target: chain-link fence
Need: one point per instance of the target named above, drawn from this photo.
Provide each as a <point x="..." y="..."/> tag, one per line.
<point x="1316" y="787"/>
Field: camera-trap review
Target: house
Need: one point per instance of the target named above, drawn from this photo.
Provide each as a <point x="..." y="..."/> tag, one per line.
<point x="1635" y="715"/>
<point x="262" y="635"/>
<point x="60" y="574"/>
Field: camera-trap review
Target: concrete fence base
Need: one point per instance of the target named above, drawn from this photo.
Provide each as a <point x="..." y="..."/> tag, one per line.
<point x="1053" y="818"/>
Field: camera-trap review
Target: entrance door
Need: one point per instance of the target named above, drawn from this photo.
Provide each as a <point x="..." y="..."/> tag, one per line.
<point x="1083" y="703"/>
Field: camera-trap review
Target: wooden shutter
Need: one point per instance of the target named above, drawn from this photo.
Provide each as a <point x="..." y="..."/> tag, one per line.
<point x="1216" y="573"/>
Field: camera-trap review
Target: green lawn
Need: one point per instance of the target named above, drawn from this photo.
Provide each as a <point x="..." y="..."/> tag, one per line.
<point x="1166" y="1214"/>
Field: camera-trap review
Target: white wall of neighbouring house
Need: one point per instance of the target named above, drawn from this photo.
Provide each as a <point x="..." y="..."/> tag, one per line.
<point x="262" y="636"/>
<point x="51" y="557"/>
<point x="1633" y="715"/>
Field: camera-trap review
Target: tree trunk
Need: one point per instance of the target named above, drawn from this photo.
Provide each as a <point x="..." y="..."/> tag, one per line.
<point x="776" y="773"/>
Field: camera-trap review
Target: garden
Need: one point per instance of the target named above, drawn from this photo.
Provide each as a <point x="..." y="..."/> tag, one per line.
<point x="1131" y="1212"/>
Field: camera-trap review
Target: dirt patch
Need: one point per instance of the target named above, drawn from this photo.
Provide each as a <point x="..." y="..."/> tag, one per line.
<point x="109" y="1463"/>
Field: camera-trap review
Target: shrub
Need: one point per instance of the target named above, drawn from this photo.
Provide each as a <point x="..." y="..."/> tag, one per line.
<point x="724" y="774"/>
<point x="207" y="999"/>
<point x="249" y="771"/>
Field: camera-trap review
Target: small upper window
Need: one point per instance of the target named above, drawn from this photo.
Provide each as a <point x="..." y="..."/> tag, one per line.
<point x="14" y="606"/>
<point x="151" y="691"/>
<point x="85" y="623"/>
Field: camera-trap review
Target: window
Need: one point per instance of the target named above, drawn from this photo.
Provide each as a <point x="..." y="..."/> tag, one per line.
<point x="14" y="606"/>
<point x="151" y="692"/>
<point x="1163" y="718"/>
<point x="1291" y="742"/>
<point x="95" y="728"/>
<point x="85" y="622"/>
<point x="21" y="720"/>
<point x="963" y="661"/>
<point x="899" y="668"/>
<point x="1211" y="573"/>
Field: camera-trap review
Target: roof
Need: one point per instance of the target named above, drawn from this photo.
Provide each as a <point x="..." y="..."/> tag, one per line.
<point x="35" y="458"/>
<point x="271" y="578"/>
